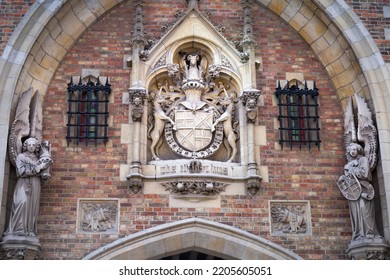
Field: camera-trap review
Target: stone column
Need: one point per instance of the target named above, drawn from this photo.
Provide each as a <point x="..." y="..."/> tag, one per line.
<point x="137" y="96"/>
<point x="249" y="97"/>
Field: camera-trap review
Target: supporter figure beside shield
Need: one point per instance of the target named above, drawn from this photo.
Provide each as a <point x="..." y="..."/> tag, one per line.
<point x="361" y="154"/>
<point x="356" y="187"/>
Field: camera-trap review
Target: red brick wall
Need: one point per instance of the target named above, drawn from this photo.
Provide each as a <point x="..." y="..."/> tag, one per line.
<point x="371" y="14"/>
<point x="89" y="172"/>
<point x="11" y="12"/>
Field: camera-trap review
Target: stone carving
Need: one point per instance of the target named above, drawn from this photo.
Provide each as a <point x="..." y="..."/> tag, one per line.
<point x="253" y="186"/>
<point x="160" y="118"/>
<point x="136" y="98"/>
<point x="135" y="182"/>
<point x="289" y="217"/>
<point x="226" y="62"/>
<point x="249" y="99"/>
<point x="229" y="131"/>
<point x="196" y="114"/>
<point x="161" y="62"/>
<point x="138" y="37"/>
<point x="355" y="183"/>
<point x="32" y="159"/>
<point x="194" y="187"/>
<point x="195" y="166"/>
<point x="19" y="254"/>
<point x="98" y="216"/>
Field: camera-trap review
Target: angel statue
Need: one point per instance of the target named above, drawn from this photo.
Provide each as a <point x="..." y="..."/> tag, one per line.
<point x="361" y="149"/>
<point x="32" y="159"/>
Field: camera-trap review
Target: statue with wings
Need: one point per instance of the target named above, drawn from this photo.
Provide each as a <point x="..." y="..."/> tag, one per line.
<point x="31" y="156"/>
<point x="361" y="154"/>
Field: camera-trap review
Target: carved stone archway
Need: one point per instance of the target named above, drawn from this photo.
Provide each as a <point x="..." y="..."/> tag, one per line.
<point x="192" y="234"/>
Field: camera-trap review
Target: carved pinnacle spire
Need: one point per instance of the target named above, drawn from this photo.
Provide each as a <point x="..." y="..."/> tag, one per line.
<point x="247" y="40"/>
<point x="138" y="29"/>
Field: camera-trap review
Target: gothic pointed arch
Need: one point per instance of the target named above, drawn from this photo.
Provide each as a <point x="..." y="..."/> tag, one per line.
<point x="193" y="234"/>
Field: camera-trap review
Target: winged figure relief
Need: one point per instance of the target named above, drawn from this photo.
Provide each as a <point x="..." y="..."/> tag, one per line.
<point x="361" y="153"/>
<point x="31" y="157"/>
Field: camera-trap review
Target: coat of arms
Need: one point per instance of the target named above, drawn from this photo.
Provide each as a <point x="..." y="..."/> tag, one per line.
<point x="195" y="114"/>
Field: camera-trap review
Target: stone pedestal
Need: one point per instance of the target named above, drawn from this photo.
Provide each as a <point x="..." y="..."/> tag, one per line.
<point x="369" y="249"/>
<point x="20" y="248"/>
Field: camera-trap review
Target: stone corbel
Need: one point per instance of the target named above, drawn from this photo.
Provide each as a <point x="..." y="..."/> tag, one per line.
<point x="136" y="182"/>
<point x="376" y="248"/>
<point x="137" y="99"/>
<point x="253" y="186"/>
<point x="249" y="99"/>
<point x="20" y="254"/>
<point x="244" y="56"/>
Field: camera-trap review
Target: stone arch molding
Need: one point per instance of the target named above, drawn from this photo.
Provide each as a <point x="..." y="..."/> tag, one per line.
<point x="208" y="237"/>
<point x="334" y="32"/>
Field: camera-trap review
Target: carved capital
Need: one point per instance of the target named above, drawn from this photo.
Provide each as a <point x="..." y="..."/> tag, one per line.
<point x="137" y="99"/>
<point x="249" y="99"/>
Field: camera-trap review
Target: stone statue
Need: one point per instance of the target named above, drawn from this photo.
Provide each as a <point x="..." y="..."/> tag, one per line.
<point x="228" y="129"/>
<point x="32" y="159"/>
<point x="355" y="183"/>
<point x="160" y="118"/>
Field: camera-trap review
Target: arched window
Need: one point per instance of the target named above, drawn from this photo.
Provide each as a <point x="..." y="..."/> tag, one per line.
<point x="298" y="115"/>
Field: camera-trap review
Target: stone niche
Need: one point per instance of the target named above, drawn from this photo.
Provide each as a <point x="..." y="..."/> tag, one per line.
<point x="98" y="216"/>
<point x="192" y="135"/>
<point x="290" y="217"/>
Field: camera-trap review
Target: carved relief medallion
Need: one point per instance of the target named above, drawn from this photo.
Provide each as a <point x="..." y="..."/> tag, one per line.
<point x="98" y="216"/>
<point x="290" y="217"/>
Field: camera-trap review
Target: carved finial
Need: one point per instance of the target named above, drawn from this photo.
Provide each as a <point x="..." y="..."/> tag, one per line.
<point x="138" y="29"/>
<point x="247" y="40"/>
<point x="193" y="4"/>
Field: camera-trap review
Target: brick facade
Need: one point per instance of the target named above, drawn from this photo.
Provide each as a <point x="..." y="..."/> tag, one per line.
<point x="87" y="172"/>
<point x="92" y="172"/>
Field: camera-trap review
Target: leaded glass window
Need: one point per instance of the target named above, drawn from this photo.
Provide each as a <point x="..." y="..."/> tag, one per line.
<point x="88" y="112"/>
<point x="298" y="115"/>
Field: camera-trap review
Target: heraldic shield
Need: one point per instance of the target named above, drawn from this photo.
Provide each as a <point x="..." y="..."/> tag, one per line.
<point x="193" y="129"/>
<point x="349" y="187"/>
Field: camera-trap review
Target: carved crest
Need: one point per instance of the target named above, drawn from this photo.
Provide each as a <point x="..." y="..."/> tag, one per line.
<point x="193" y="130"/>
<point x="350" y="187"/>
<point x="195" y="114"/>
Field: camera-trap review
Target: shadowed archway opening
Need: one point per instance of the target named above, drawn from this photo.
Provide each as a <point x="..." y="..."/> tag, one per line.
<point x="191" y="255"/>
